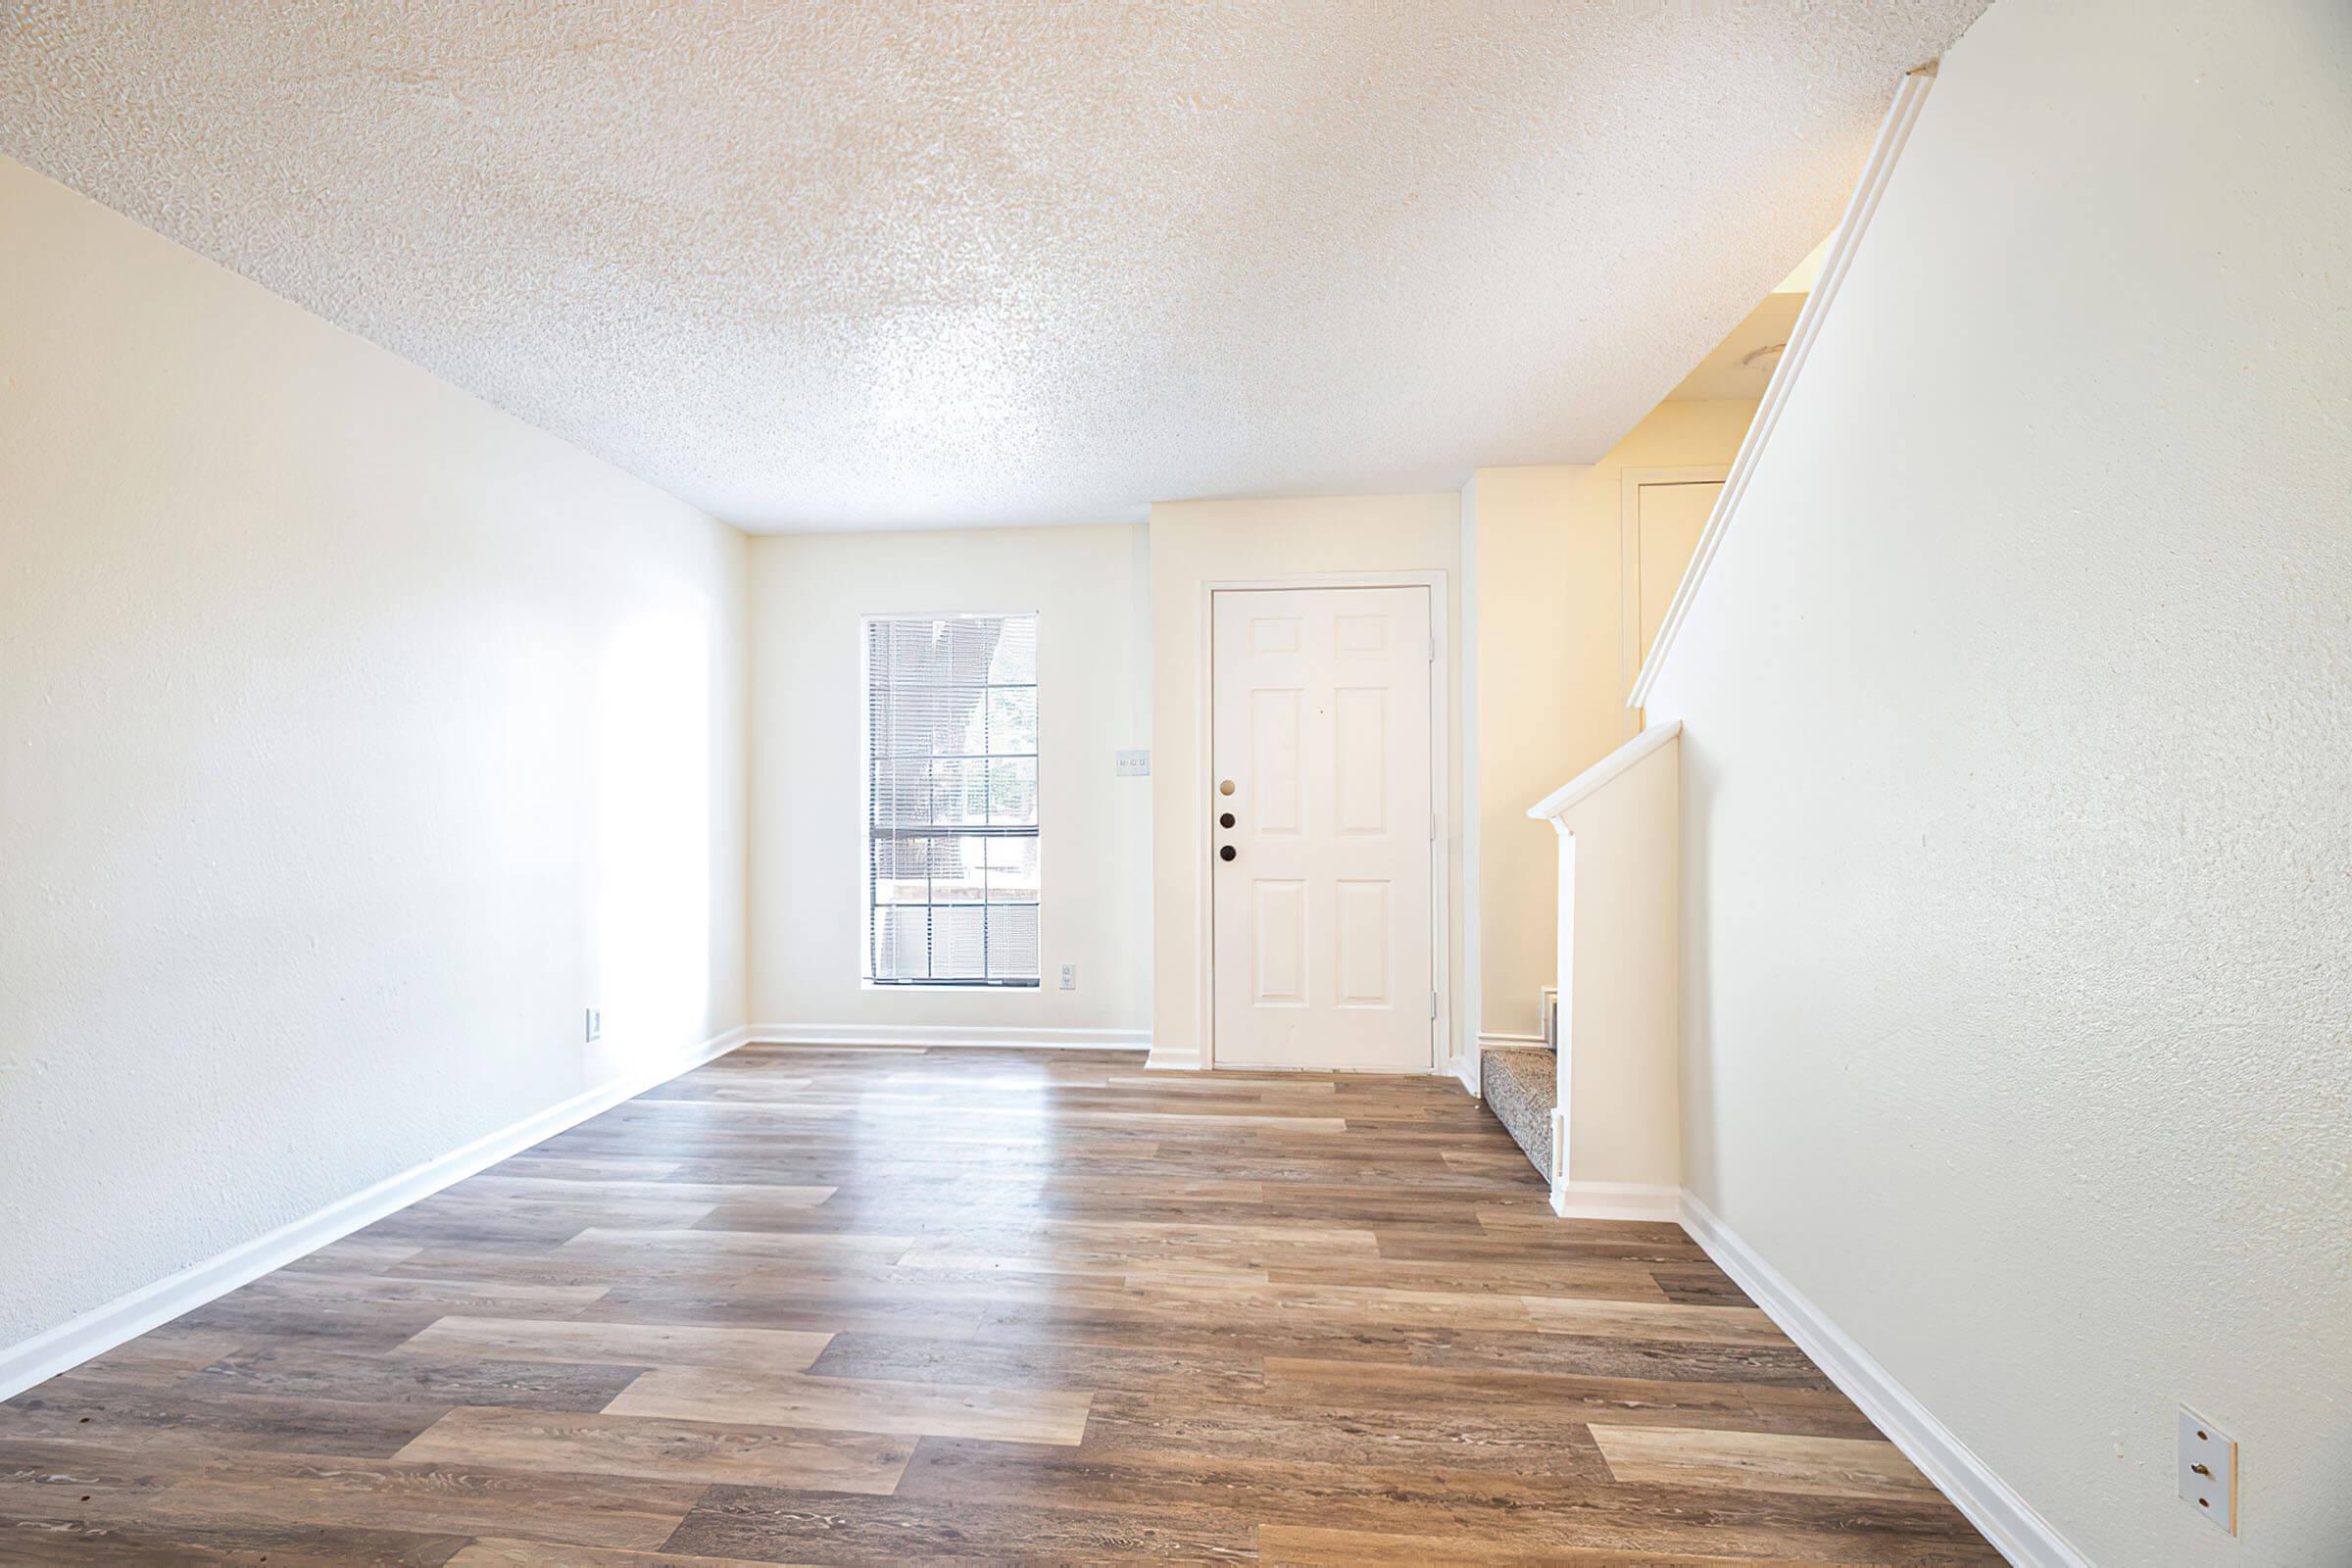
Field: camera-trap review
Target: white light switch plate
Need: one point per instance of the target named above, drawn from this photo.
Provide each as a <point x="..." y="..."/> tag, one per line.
<point x="1132" y="764"/>
<point x="2208" y="1469"/>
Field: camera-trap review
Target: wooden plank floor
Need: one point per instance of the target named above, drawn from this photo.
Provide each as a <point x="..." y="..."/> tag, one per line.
<point x="872" y="1306"/>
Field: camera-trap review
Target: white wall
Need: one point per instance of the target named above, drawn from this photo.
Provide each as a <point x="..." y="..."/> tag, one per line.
<point x="1546" y="571"/>
<point x="1193" y="544"/>
<point x="2018" y="778"/>
<point x="808" y="594"/>
<point x="356" y="738"/>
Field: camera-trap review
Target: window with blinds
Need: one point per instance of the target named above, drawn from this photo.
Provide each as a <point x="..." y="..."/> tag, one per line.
<point x="951" y="800"/>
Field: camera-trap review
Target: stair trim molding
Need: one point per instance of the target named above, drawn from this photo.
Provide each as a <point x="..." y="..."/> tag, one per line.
<point x="1554" y="807"/>
<point x="1991" y="1505"/>
<point x="35" y="1360"/>
<point x="957" y="1036"/>
<point x="1877" y="171"/>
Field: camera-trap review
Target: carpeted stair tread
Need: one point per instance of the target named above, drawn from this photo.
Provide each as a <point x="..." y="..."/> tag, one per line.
<point x="1520" y="1084"/>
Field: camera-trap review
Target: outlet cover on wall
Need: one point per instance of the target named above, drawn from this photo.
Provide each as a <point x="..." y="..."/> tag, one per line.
<point x="1132" y="764"/>
<point x="2208" y="1469"/>
<point x="596" y="1024"/>
<point x="1069" y="977"/>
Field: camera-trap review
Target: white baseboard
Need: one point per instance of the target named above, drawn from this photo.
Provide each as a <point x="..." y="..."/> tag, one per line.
<point x="1466" y="1070"/>
<point x="1486" y="1039"/>
<point x="953" y="1035"/>
<point x="1615" y="1199"/>
<point x="1991" y="1504"/>
<point x="1163" y="1059"/>
<point x="126" y="1317"/>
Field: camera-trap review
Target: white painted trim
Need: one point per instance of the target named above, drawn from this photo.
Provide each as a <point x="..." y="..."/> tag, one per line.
<point x="1488" y="1036"/>
<point x="1550" y="808"/>
<point x="1461" y="1056"/>
<point x="1629" y="483"/>
<point x="1465" y="1071"/>
<point x="1876" y="172"/>
<point x="1162" y="1060"/>
<point x="1614" y="1200"/>
<point x="956" y="1035"/>
<point x="1991" y="1504"/>
<point x="126" y="1317"/>
<point x="1440" y="730"/>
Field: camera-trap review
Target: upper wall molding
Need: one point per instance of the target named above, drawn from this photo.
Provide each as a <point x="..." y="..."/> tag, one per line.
<point x="1876" y="173"/>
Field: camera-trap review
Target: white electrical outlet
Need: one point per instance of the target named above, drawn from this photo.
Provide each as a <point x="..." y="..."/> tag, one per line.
<point x="596" y="1024"/>
<point x="1069" y="977"/>
<point x="2208" y="1469"/>
<point x="1131" y="764"/>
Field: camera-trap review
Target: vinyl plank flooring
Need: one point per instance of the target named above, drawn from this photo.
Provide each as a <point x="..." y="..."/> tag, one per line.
<point x="492" y="1339"/>
<point x="917" y="1358"/>
<point x="750" y="1195"/>
<point x="740" y="1245"/>
<point x="78" y="1543"/>
<point x="858" y="1404"/>
<point x="665" y="1451"/>
<point x="1694" y="1456"/>
<point x="441" y="1499"/>
<point x="305" y="1372"/>
<point x="1309" y="1546"/>
<point x="492" y="1552"/>
<point x="780" y="1527"/>
<point x="887" y="1304"/>
<point x="1644" y="1320"/>
<point x="176" y="1418"/>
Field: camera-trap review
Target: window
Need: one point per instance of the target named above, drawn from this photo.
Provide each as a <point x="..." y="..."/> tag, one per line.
<point x="951" y="800"/>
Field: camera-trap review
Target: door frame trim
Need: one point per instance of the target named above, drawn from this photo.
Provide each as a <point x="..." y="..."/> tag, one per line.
<point x="1440" y="762"/>
<point x="1628" y="568"/>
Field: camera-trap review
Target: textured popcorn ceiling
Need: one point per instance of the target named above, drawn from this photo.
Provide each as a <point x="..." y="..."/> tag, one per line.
<point x="867" y="264"/>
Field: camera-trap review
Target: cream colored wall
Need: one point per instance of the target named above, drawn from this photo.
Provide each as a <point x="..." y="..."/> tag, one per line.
<point x="1549" y="691"/>
<point x="808" y="594"/>
<point x="1193" y="544"/>
<point x="358" y="738"/>
<point x="1617" y="963"/>
<point x="2018" y="778"/>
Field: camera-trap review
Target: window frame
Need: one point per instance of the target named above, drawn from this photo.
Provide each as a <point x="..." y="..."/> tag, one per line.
<point x="1033" y="831"/>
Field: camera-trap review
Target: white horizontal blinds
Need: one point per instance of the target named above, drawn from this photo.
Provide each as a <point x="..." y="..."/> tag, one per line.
<point x="952" y="800"/>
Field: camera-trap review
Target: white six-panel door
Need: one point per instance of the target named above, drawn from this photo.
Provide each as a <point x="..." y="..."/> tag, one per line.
<point x="1321" y="828"/>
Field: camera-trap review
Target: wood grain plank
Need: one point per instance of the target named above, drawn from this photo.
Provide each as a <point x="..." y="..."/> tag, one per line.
<point x="614" y="1444"/>
<point x="706" y="1195"/>
<point x="858" y="1404"/>
<point x="1694" y="1456"/>
<point x="1307" y="1547"/>
<point x="306" y="1372"/>
<point x="385" y="1494"/>
<point x="492" y="1552"/>
<point x="641" y="1345"/>
<point x="1654" y="1320"/>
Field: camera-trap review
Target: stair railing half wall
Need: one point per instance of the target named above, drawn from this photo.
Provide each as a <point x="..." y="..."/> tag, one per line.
<point x="1616" y="1129"/>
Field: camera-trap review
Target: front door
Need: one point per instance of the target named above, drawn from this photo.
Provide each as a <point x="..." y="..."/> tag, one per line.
<point x="1323" y="835"/>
